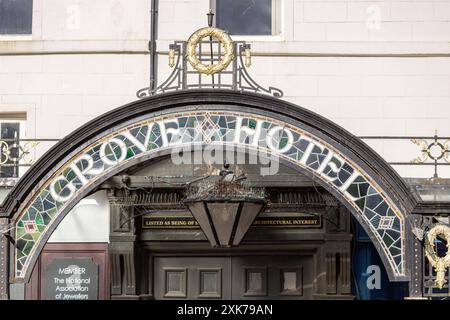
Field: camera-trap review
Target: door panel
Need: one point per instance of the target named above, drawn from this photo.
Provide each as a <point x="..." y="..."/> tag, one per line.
<point x="272" y="277"/>
<point x="192" y="277"/>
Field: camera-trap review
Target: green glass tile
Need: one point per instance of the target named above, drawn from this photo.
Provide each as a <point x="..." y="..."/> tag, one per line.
<point x="20" y="244"/>
<point x="19" y="267"/>
<point x="20" y="231"/>
<point x="387" y="240"/>
<point x="360" y="179"/>
<point x="45" y="193"/>
<point x="191" y="122"/>
<point x="57" y="188"/>
<point x="361" y="203"/>
<point x="36" y="235"/>
<point x="38" y="205"/>
<point x="283" y="142"/>
<point x="52" y="212"/>
<point x="26" y="216"/>
<point x="39" y="220"/>
<point x="19" y="254"/>
<point x="28" y="247"/>
<point x="395" y="251"/>
<point x="27" y="236"/>
<point x="71" y="175"/>
<point x="117" y="152"/>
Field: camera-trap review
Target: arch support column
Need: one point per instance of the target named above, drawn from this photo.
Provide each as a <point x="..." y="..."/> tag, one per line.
<point x="121" y="247"/>
<point x="3" y="261"/>
<point x="338" y="253"/>
<point x="336" y="261"/>
<point x="416" y="261"/>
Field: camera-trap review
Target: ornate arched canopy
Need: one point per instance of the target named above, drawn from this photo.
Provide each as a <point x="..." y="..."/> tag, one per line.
<point x="162" y="124"/>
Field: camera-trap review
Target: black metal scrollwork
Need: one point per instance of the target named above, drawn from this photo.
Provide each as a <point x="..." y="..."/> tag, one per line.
<point x="234" y="77"/>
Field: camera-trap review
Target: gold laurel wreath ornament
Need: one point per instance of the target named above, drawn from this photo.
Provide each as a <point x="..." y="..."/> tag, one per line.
<point x="223" y="38"/>
<point x="440" y="264"/>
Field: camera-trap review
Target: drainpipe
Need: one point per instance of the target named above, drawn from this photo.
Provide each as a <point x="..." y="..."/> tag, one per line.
<point x="152" y="45"/>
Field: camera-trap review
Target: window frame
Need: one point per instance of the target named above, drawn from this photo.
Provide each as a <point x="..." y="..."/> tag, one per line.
<point x="21" y="120"/>
<point x="277" y="23"/>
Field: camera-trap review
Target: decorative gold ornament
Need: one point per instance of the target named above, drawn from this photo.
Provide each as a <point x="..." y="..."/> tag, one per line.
<point x="23" y="152"/>
<point x="440" y="264"/>
<point x="248" y="57"/>
<point x="171" y="57"/>
<point x="4" y="152"/>
<point x="436" y="150"/>
<point x="447" y="151"/>
<point x="224" y="39"/>
<point x="424" y="150"/>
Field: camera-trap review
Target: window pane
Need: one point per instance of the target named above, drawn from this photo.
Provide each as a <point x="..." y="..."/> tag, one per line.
<point x="245" y="17"/>
<point x="209" y="282"/>
<point x="255" y="281"/>
<point x="289" y="280"/>
<point x="8" y="131"/>
<point x="16" y="16"/>
<point x="174" y="280"/>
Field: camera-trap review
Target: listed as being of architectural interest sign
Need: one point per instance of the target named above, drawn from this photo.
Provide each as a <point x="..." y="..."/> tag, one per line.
<point x="150" y="221"/>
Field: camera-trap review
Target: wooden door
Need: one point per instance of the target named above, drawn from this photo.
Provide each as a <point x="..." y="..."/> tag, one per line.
<point x="233" y="277"/>
<point x="192" y="277"/>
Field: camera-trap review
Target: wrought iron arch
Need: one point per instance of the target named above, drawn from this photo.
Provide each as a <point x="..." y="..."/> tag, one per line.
<point x="368" y="186"/>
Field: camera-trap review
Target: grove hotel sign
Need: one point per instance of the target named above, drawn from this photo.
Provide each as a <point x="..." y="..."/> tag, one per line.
<point x="214" y="128"/>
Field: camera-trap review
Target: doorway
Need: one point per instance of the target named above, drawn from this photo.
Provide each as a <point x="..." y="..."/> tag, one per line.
<point x="233" y="277"/>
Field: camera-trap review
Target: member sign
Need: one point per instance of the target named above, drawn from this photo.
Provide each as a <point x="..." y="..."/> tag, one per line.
<point x="71" y="279"/>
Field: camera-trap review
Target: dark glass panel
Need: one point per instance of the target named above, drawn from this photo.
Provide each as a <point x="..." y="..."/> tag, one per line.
<point x="16" y="16"/>
<point x="244" y="17"/>
<point x="9" y="130"/>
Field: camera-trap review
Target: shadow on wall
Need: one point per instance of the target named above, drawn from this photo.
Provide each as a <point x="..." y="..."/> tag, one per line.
<point x="88" y="221"/>
<point x="370" y="280"/>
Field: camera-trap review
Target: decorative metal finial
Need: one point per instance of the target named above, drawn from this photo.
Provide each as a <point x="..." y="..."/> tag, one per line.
<point x="210" y="15"/>
<point x="248" y="57"/>
<point x="171" y="55"/>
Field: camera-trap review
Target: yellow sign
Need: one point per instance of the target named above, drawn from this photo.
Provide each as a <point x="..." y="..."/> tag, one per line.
<point x="162" y="222"/>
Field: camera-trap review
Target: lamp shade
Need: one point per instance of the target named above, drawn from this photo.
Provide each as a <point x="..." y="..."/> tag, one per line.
<point x="225" y="210"/>
<point x="225" y="223"/>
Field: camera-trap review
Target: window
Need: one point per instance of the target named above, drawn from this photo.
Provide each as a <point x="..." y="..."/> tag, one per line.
<point x="248" y="17"/>
<point x="11" y="129"/>
<point x="15" y="17"/>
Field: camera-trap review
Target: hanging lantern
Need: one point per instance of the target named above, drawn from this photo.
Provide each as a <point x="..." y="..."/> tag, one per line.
<point x="225" y="209"/>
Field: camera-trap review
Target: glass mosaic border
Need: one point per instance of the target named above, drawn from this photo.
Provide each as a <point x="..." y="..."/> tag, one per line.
<point x="182" y="129"/>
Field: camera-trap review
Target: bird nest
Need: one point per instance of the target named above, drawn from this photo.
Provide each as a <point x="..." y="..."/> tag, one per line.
<point x="222" y="190"/>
